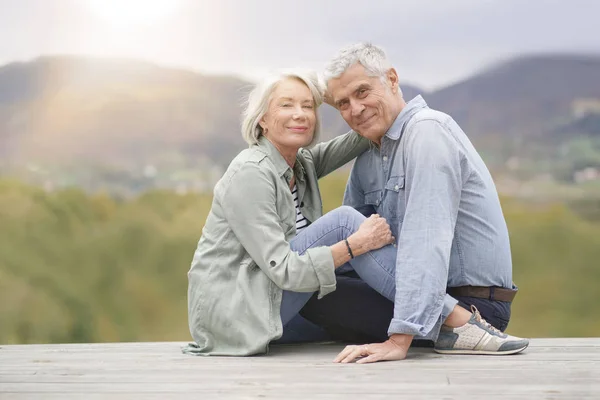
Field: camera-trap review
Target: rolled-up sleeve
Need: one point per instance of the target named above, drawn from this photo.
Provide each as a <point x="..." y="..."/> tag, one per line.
<point x="249" y="205"/>
<point x="433" y="183"/>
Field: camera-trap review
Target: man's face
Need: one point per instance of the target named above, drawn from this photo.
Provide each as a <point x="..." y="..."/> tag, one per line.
<point x="367" y="104"/>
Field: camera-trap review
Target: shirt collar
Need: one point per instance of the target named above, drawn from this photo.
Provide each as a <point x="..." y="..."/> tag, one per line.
<point x="281" y="166"/>
<point x="410" y="109"/>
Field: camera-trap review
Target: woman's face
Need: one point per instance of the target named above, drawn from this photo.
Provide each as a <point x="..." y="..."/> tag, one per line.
<point x="290" y="119"/>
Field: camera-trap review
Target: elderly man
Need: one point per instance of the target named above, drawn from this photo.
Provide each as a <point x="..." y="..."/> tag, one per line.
<point x="426" y="179"/>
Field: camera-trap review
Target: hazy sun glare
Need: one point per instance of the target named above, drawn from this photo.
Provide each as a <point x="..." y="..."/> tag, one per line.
<point x="128" y="13"/>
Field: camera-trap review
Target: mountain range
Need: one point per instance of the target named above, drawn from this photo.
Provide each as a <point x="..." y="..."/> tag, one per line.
<point x="76" y="111"/>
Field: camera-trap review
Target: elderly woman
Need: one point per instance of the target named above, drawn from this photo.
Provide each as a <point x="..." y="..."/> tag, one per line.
<point x="266" y="247"/>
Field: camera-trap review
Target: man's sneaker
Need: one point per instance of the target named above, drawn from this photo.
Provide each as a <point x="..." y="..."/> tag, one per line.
<point x="477" y="337"/>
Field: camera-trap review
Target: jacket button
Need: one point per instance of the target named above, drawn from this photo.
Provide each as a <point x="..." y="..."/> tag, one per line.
<point x="272" y="263"/>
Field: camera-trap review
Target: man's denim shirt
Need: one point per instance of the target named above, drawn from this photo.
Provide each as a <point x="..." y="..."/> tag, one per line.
<point x="439" y="198"/>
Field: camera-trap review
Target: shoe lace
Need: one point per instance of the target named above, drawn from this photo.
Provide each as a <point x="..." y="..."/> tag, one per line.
<point x="480" y="319"/>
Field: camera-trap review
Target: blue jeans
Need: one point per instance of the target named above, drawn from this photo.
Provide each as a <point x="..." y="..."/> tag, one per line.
<point x="375" y="268"/>
<point x="362" y="306"/>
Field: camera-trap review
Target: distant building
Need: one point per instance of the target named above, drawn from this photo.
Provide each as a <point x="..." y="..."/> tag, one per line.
<point x="150" y="171"/>
<point x="586" y="175"/>
<point x="586" y="106"/>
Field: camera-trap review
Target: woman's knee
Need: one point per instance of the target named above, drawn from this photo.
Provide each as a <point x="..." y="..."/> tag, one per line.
<point x="349" y="217"/>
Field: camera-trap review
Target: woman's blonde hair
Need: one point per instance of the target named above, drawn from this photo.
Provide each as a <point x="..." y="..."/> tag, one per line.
<point x="258" y="102"/>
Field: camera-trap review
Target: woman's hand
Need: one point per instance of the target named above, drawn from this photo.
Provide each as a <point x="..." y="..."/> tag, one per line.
<point x="372" y="234"/>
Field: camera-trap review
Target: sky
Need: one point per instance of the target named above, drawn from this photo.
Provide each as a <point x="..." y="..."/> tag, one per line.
<point x="432" y="43"/>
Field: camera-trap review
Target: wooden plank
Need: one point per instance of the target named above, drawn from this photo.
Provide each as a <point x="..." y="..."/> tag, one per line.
<point x="161" y="346"/>
<point x="473" y="391"/>
<point x="550" y="368"/>
<point x="318" y="378"/>
<point x="33" y="361"/>
<point x="547" y="395"/>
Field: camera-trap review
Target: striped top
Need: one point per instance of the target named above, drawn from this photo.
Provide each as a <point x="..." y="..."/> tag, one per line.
<point x="301" y="221"/>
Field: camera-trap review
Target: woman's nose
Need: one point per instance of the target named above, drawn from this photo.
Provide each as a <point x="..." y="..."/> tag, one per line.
<point x="299" y="112"/>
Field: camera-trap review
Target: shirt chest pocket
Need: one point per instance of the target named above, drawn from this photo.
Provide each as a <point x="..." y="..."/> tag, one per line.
<point x="372" y="202"/>
<point x="394" y="199"/>
<point x="373" y="198"/>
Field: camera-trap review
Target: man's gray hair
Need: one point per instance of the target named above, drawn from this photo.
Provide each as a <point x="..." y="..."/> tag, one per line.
<point x="259" y="98"/>
<point x="371" y="57"/>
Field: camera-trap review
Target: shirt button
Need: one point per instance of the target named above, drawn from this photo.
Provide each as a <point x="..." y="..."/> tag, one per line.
<point x="272" y="263"/>
<point x="396" y="187"/>
<point x="384" y="158"/>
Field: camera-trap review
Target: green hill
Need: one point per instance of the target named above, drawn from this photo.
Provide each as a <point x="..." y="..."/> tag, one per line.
<point x="88" y="268"/>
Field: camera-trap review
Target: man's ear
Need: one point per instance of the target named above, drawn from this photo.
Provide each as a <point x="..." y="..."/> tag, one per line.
<point x="392" y="78"/>
<point x="328" y="98"/>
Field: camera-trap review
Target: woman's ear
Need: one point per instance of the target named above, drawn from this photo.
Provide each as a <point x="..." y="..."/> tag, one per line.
<point x="263" y="123"/>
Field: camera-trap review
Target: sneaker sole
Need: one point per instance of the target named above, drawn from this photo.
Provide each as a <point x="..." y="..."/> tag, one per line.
<point x="481" y="352"/>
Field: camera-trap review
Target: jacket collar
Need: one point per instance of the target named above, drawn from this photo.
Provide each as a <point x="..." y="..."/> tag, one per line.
<point x="281" y="166"/>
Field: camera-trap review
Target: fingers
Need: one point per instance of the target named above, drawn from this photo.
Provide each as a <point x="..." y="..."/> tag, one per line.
<point x="386" y="351"/>
<point x="350" y="353"/>
<point x="344" y="353"/>
<point x="370" y="359"/>
<point x="379" y="230"/>
<point x="381" y="223"/>
<point x="356" y="353"/>
<point x="384" y="230"/>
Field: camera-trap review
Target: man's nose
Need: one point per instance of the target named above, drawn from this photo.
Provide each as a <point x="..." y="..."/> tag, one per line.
<point x="356" y="107"/>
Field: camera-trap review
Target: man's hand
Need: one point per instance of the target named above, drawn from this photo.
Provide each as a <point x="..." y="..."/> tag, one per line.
<point x="395" y="348"/>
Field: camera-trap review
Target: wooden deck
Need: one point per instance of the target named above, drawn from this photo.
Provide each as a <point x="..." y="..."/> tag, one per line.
<point x="548" y="369"/>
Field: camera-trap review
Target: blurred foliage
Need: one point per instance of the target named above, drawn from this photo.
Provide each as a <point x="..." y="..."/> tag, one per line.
<point x="90" y="268"/>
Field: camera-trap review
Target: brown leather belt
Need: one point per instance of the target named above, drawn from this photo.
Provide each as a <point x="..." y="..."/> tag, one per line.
<point x="483" y="292"/>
